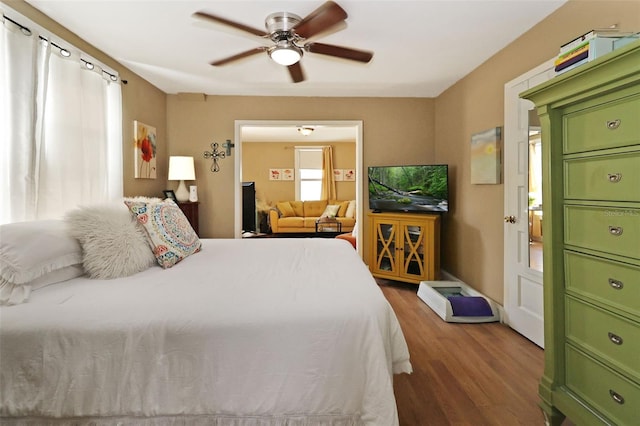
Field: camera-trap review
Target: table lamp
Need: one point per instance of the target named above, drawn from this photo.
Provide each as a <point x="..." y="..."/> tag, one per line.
<point x="181" y="168"/>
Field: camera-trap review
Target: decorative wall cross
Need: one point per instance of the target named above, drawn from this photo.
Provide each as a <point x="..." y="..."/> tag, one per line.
<point x="214" y="154"/>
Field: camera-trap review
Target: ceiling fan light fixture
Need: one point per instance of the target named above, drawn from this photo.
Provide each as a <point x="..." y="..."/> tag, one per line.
<point x="285" y="54"/>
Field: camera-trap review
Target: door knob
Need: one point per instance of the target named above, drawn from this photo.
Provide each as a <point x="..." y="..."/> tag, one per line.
<point x="510" y="219"/>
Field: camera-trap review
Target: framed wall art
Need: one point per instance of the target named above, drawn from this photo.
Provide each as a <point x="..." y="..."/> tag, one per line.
<point x="349" y="175"/>
<point x="145" y="145"/>
<point x="275" y="174"/>
<point x="486" y="164"/>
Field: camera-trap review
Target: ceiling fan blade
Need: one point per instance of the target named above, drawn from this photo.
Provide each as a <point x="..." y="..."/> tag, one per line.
<point x="241" y="55"/>
<point x="295" y="70"/>
<point x="331" y="30"/>
<point x="236" y="25"/>
<point x="321" y="19"/>
<point x="339" y="51"/>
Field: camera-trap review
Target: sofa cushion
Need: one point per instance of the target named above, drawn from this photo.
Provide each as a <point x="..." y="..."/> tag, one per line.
<point x="314" y="208"/>
<point x="285" y="209"/>
<point x="291" y="222"/>
<point x="310" y="222"/>
<point x="298" y="208"/>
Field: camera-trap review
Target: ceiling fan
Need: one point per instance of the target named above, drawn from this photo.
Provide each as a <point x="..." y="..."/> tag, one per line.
<point x="290" y="36"/>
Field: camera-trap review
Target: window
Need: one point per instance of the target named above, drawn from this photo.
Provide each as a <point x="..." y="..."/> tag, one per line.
<point x="60" y="111"/>
<point x="308" y="173"/>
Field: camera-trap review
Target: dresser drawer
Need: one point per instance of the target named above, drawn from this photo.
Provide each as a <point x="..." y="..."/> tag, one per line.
<point x="611" y="394"/>
<point x="609" y="125"/>
<point x="611" y="337"/>
<point x="605" y="229"/>
<point x="606" y="178"/>
<point x="614" y="283"/>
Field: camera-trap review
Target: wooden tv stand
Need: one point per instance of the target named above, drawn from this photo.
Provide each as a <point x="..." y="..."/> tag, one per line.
<point x="405" y="246"/>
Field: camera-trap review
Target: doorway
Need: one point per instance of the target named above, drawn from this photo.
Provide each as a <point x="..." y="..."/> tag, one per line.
<point x="269" y="126"/>
<point x="523" y="236"/>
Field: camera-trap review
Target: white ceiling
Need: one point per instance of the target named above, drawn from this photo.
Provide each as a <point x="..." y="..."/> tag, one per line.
<point x="421" y="47"/>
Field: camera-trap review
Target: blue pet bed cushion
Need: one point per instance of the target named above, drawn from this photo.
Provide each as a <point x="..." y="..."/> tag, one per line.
<point x="470" y="306"/>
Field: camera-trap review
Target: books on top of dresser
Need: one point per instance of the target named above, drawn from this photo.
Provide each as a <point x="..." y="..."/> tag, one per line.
<point x="590" y="46"/>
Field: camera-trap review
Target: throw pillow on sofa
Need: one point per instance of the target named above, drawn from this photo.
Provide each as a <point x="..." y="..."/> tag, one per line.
<point x="330" y="211"/>
<point x="351" y="209"/>
<point x="343" y="209"/>
<point x="285" y="209"/>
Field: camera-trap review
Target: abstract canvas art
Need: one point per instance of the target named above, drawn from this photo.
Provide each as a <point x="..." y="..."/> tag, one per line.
<point x="145" y="145"/>
<point x="485" y="156"/>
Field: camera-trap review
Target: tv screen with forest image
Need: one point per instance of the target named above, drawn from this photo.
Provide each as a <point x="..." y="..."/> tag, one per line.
<point x="421" y="188"/>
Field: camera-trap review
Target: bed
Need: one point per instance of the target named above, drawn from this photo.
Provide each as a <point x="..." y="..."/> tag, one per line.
<point x="242" y="332"/>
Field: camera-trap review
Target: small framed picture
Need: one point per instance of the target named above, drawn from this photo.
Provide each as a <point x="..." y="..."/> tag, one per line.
<point x="168" y="193"/>
<point x="349" y="174"/>
<point x="275" y="174"/>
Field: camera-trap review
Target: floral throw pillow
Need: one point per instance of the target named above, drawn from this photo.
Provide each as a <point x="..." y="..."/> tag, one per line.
<point x="168" y="231"/>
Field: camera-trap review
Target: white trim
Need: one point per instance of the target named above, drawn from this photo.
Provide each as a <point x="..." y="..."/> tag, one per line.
<point x="528" y="320"/>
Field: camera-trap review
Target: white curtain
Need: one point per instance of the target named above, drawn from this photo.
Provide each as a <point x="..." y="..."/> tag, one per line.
<point x="62" y="130"/>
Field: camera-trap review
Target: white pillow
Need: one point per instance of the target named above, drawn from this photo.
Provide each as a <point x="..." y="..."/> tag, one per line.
<point x="354" y="231"/>
<point x="351" y="210"/>
<point x="330" y="211"/>
<point x="113" y="244"/>
<point x="31" y="254"/>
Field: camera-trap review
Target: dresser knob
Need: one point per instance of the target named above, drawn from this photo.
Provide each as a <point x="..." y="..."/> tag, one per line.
<point x="614" y="177"/>
<point x="616" y="396"/>
<point x="615" y="230"/>
<point x="617" y="285"/>
<point x="615" y="339"/>
<point x="613" y="124"/>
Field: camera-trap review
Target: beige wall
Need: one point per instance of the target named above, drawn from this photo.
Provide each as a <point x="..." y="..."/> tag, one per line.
<point x="259" y="157"/>
<point x="396" y="131"/>
<point x="472" y="238"/>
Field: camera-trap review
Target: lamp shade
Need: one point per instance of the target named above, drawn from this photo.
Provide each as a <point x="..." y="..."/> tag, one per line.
<point x="181" y="168"/>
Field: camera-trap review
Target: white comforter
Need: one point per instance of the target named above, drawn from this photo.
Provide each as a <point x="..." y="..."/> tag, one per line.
<point x="246" y="332"/>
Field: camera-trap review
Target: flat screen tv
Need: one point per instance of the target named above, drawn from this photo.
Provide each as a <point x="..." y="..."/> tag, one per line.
<point x="421" y="188"/>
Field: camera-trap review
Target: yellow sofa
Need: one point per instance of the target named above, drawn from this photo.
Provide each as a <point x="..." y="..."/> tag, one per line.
<point x="301" y="216"/>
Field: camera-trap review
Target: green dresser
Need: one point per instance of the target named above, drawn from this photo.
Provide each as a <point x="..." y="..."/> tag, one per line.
<point x="590" y="120"/>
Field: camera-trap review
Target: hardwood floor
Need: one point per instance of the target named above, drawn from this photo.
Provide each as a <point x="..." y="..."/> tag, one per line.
<point x="463" y="374"/>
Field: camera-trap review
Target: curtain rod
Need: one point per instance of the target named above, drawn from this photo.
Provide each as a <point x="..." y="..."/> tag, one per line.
<point x="64" y="52"/>
<point x="25" y="30"/>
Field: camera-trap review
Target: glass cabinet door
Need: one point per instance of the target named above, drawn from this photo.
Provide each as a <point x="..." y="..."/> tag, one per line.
<point x="386" y="247"/>
<point x="413" y="246"/>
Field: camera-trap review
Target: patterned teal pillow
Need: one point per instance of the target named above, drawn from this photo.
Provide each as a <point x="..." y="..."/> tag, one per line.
<point x="168" y="231"/>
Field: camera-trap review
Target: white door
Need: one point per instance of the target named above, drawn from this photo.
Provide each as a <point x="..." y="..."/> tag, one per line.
<point x="523" y="298"/>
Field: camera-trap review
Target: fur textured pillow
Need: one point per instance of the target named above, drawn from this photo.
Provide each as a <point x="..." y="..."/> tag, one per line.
<point x="113" y="243"/>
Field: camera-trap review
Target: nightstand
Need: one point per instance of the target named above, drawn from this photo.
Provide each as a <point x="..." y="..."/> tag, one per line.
<point x="190" y="210"/>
